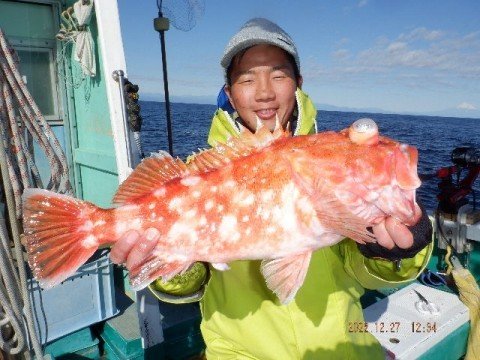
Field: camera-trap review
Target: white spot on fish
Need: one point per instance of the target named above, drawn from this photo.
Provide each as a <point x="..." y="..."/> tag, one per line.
<point x="270" y="230"/>
<point x="247" y="201"/>
<point x="87" y="226"/>
<point x="305" y="206"/>
<point x="153" y="216"/>
<point x="89" y="242"/>
<point x="190" y="180"/>
<point x="160" y="192"/>
<point x="289" y="196"/>
<point x="136" y="223"/>
<point x="190" y="213"/>
<point x="235" y="237"/>
<point x="202" y="221"/>
<point x="267" y="196"/>
<point x="263" y="181"/>
<point x="230" y="183"/>
<point x="246" y="218"/>
<point x="175" y="203"/>
<point x="121" y="227"/>
<point x="213" y="189"/>
<point x="228" y="224"/>
<point x="265" y="214"/>
<point x="99" y="223"/>
<point x="196" y="194"/>
<point x="220" y="208"/>
<point x="248" y="231"/>
<point x="181" y="231"/>
<point x="151" y="206"/>
<point x="209" y="205"/>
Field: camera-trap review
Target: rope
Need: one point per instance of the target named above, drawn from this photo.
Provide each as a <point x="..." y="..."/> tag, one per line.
<point x="15" y="89"/>
<point x="470" y="295"/>
<point x="12" y="173"/>
<point x="21" y="281"/>
<point x="74" y="30"/>
<point x="20" y="117"/>
<point x="10" y="298"/>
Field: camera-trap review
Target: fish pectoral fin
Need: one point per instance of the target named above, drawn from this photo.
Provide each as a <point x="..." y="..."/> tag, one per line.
<point x="334" y="215"/>
<point x="330" y="210"/>
<point x="284" y="276"/>
<point x="153" y="268"/>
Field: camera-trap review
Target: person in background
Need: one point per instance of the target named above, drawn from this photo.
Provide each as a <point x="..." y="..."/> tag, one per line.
<point x="242" y="318"/>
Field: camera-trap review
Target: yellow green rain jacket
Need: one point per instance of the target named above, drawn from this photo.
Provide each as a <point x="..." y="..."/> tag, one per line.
<point x="243" y="319"/>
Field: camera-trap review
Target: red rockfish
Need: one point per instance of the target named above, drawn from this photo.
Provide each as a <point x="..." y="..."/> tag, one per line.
<point x="264" y="196"/>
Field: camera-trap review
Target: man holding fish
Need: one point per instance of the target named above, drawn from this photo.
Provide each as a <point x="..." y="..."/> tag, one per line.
<point x="248" y="311"/>
<point x="293" y="228"/>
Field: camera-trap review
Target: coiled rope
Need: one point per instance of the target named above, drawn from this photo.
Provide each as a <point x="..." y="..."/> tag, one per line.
<point x="20" y="117"/>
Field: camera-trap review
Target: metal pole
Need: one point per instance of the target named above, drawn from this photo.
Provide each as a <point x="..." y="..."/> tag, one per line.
<point x="167" y="95"/>
<point x="118" y="76"/>
<point x="161" y="25"/>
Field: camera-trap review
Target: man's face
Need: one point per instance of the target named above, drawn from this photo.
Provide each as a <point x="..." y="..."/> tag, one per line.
<point x="263" y="85"/>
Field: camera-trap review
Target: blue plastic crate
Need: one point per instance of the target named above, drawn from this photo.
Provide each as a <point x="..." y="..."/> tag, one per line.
<point x="80" y="301"/>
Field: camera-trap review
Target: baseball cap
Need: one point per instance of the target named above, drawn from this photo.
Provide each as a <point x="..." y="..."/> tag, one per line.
<point x="258" y="31"/>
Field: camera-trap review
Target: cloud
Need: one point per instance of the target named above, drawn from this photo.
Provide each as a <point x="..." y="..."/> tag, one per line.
<point x="352" y="7"/>
<point x="362" y="3"/>
<point x="342" y="42"/>
<point x="466" y="106"/>
<point x="341" y="54"/>
<point x="435" y="57"/>
<point x="422" y="33"/>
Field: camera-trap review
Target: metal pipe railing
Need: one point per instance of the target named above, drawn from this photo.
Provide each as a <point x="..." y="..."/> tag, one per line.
<point x="119" y="77"/>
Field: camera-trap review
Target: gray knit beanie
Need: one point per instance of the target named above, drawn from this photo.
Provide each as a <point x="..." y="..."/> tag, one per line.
<point x="258" y="31"/>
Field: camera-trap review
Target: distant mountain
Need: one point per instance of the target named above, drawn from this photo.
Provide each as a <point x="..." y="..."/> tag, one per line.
<point x="471" y="113"/>
<point x="328" y="107"/>
<point x="204" y="99"/>
<point x="454" y="112"/>
<point x="460" y="113"/>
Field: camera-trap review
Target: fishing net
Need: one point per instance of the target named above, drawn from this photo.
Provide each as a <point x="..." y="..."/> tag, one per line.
<point x="183" y="14"/>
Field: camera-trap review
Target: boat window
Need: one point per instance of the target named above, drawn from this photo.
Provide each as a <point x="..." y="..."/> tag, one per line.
<point x="36" y="68"/>
<point x="30" y="27"/>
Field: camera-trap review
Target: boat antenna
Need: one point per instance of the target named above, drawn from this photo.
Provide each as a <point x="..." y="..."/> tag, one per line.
<point x="184" y="15"/>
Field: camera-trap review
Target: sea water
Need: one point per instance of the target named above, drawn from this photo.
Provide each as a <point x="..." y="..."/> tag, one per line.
<point x="435" y="137"/>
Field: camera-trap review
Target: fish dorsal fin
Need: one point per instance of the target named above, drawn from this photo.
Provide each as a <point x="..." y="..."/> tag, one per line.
<point x="235" y="147"/>
<point x="151" y="173"/>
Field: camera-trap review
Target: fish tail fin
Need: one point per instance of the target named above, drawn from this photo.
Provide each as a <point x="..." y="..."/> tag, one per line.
<point x="58" y="234"/>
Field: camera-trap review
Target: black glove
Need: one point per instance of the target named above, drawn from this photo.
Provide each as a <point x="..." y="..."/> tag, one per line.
<point x="422" y="236"/>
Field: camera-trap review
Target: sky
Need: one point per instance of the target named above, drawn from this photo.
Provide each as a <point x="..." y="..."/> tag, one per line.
<point x="403" y="56"/>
